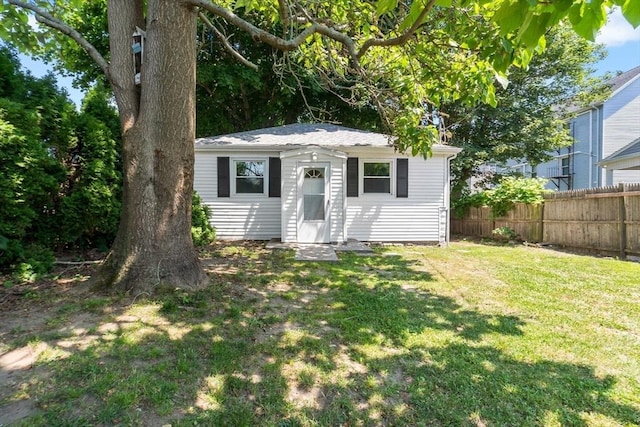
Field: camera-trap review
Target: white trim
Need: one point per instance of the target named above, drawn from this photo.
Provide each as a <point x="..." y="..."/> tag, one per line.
<point x="345" y="237"/>
<point x="327" y="202"/>
<point x="310" y="150"/>
<point x="447" y="194"/>
<point x="392" y="178"/>
<point x="233" y="176"/>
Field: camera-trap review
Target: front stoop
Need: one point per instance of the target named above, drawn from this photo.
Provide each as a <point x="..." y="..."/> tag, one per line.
<point x="313" y="252"/>
<point x="321" y="252"/>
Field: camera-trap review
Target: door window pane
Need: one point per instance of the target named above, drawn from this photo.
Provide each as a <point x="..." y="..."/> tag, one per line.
<point x="313" y="207"/>
<point x="313" y="194"/>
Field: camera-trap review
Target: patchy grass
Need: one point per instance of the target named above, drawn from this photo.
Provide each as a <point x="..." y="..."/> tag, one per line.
<point x="469" y="335"/>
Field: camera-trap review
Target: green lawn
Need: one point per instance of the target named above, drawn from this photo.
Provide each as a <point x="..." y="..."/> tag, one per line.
<point x="477" y="335"/>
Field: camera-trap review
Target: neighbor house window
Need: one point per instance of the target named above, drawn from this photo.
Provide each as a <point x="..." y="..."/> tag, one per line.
<point x="565" y="166"/>
<point x="376" y="177"/>
<point x="249" y="176"/>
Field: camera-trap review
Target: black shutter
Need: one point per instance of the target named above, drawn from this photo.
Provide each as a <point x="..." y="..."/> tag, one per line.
<point x="274" y="176"/>
<point x="402" y="178"/>
<point x="223" y="177"/>
<point x="352" y="177"/>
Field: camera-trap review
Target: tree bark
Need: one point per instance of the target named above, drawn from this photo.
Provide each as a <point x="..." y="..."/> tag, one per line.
<point x="153" y="247"/>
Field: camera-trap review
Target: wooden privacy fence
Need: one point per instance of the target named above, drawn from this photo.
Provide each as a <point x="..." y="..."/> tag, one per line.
<point x="604" y="220"/>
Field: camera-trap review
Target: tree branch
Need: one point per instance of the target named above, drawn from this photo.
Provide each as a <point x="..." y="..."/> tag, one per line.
<point x="278" y="42"/>
<point x="283" y="9"/>
<point x="315" y="27"/>
<point x="226" y="43"/>
<point x="49" y="20"/>
<point x="401" y="39"/>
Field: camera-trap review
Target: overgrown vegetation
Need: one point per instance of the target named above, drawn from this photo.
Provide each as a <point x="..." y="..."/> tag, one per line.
<point x="202" y="232"/>
<point x="468" y="335"/>
<point x="59" y="180"/>
<point x="501" y="199"/>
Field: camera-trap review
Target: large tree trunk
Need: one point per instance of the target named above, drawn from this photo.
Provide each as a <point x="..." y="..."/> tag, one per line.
<point x="153" y="247"/>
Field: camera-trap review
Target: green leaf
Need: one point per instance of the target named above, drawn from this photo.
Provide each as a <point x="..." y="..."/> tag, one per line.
<point x="247" y="4"/>
<point x="385" y="6"/>
<point x="587" y="18"/>
<point x="444" y="3"/>
<point x="631" y="11"/>
<point x="535" y="28"/>
<point x="502" y="79"/>
<point x="413" y="15"/>
<point x="562" y="5"/>
<point x="509" y="16"/>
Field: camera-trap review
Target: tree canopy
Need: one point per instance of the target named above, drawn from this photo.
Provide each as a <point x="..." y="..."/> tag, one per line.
<point x="529" y="120"/>
<point x="394" y="57"/>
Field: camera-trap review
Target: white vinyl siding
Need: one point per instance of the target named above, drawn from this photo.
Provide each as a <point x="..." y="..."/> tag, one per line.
<point x="415" y="218"/>
<point x="243" y="216"/>
<point x="289" y="199"/>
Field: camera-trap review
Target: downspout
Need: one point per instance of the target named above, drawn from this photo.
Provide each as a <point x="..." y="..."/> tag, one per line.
<point x="447" y="197"/>
<point x="590" y="149"/>
<point x="599" y="145"/>
<point x="345" y="238"/>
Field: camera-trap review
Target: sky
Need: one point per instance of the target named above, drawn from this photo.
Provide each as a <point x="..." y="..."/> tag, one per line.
<point x="620" y="38"/>
<point x="622" y="42"/>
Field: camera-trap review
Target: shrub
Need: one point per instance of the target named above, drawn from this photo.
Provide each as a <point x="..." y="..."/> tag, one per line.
<point x="461" y="205"/>
<point x="201" y="230"/>
<point x="502" y="199"/>
<point x="36" y="261"/>
<point x="505" y="233"/>
<point x="513" y="190"/>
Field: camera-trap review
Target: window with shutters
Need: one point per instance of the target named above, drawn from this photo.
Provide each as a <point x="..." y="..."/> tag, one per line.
<point x="376" y="177"/>
<point x="249" y="176"/>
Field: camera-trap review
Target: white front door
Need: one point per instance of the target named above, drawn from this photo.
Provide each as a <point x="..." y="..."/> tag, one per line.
<point x="313" y="203"/>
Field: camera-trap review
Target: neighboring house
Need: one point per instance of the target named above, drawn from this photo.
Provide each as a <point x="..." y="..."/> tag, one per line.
<point x="320" y="183"/>
<point x="625" y="159"/>
<point x="599" y="131"/>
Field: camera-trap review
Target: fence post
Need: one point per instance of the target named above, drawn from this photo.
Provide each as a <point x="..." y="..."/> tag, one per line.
<point x="622" y="215"/>
<point x="541" y="232"/>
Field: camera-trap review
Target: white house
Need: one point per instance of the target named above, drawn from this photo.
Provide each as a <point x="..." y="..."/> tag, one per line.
<point x="598" y="131"/>
<point x="320" y="183"/>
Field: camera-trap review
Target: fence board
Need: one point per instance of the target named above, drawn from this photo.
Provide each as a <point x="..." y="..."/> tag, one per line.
<point x="605" y="219"/>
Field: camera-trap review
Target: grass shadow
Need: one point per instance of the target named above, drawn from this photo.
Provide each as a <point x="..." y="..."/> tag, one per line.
<point x="365" y="341"/>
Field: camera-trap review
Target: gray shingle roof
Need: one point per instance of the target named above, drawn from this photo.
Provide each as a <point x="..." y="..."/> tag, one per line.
<point x="299" y="135"/>
<point x="628" y="150"/>
<point x="621" y="79"/>
<point x="615" y="83"/>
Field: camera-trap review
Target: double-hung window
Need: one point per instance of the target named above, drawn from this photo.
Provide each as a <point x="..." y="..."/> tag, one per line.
<point x="376" y="177"/>
<point x="565" y="166"/>
<point x="249" y="176"/>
